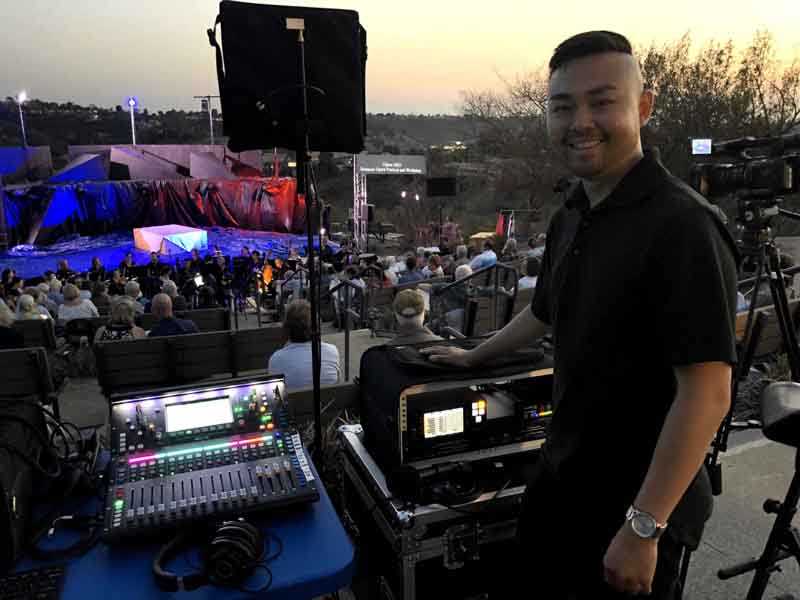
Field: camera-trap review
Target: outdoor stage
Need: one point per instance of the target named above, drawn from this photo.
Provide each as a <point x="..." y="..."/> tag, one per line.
<point x="33" y="261"/>
<point x="46" y="223"/>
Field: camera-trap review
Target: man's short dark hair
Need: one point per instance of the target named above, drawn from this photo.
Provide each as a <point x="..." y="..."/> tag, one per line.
<point x="297" y="321"/>
<point x="587" y="44"/>
<point x="488" y="245"/>
<point x="532" y="267"/>
<point x="411" y="263"/>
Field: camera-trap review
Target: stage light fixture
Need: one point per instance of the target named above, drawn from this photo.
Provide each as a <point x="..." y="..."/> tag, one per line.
<point x="22" y="97"/>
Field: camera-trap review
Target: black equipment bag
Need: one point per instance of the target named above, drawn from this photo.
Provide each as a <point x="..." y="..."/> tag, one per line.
<point x="386" y="371"/>
<point x="20" y="481"/>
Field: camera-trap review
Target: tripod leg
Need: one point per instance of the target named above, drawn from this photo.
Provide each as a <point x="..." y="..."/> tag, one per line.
<point x="779" y="541"/>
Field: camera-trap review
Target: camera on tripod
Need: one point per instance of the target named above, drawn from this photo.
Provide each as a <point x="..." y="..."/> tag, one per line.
<point x="757" y="172"/>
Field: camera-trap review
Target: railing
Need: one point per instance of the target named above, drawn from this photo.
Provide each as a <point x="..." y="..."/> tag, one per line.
<point x="347" y="312"/>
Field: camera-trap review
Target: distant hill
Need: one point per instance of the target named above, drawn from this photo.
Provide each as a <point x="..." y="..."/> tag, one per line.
<point x="415" y="132"/>
<point x="58" y="125"/>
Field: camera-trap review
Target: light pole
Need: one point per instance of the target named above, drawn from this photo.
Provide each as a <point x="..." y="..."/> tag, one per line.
<point x="22" y="97"/>
<point x="132" y="103"/>
<point x="205" y="104"/>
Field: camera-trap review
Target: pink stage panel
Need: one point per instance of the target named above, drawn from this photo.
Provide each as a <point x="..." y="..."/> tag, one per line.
<point x="170" y="239"/>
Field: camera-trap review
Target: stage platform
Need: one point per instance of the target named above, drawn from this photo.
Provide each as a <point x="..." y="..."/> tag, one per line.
<point x="33" y="261"/>
<point x="170" y="239"/>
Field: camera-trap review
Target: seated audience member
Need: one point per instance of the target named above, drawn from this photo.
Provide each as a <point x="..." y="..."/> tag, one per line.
<point x="389" y="272"/>
<point x="448" y="265"/>
<point x="179" y="303"/>
<point x="7" y="277"/>
<point x="38" y="309"/>
<point x="487" y="258"/>
<point x="121" y="326"/>
<point x="536" y="246"/>
<point x="100" y="297"/>
<point x="116" y="287"/>
<point x="409" y="311"/>
<point x="454" y="299"/>
<point x="134" y="292"/>
<point x="85" y="288"/>
<point x="44" y="299"/>
<point x="461" y="255"/>
<point x="27" y="309"/>
<point x="509" y="252"/>
<point x="294" y="359"/>
<point x="55" y="292"/>
<point x="10" y="338"/>
<point x="168" y="324"/>
<point x="433" y="269"/>
<point x="15" y="289"/>
<point x="410" y="275"/>
<point x="75" y="307"/>
<point x="97" y="272"/>
<point x="532" y="266"/>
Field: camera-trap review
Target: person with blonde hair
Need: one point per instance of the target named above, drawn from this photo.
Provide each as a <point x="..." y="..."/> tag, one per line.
<point x="27" y="308"/>
<point x="122" y="325"/>
<point x="74" y="306"/>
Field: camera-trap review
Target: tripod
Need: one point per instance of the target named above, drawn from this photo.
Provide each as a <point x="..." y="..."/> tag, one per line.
<point x="784" y="540"/>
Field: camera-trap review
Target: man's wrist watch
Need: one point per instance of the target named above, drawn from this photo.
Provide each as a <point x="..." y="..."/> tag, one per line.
<point x="644" y="524"/>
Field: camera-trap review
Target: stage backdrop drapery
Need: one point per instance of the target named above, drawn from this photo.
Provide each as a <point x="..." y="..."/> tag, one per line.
<point x="42" y="214"/>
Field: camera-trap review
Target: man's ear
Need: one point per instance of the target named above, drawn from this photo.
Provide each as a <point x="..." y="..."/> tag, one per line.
<point x="646" y="104"/>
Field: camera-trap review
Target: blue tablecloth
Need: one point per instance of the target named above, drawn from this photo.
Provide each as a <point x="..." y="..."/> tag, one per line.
<point x="317" y="558"/>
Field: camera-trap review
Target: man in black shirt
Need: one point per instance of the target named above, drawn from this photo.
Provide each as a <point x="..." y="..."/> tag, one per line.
<point x="638" y="281"/>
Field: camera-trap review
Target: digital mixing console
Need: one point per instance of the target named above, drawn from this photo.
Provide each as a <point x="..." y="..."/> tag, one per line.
<point x="203" y="452"/>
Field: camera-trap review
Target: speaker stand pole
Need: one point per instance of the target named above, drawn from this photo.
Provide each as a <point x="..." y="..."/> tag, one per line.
<point x="311" y="206"/>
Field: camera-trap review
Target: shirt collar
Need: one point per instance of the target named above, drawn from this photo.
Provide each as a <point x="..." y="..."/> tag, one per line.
<point x="636" y="185"/>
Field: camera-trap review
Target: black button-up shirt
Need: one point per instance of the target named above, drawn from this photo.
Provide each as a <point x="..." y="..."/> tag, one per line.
<point x="642" y="282"/>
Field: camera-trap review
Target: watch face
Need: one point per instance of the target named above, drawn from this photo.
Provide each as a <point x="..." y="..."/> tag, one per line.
<point x="643" y="526"/>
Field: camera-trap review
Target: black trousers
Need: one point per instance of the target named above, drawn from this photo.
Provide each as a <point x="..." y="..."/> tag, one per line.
<point x="563" y="534"/>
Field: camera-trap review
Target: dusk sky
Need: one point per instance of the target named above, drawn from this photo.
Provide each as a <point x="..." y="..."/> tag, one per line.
<point x="421" y="52"/>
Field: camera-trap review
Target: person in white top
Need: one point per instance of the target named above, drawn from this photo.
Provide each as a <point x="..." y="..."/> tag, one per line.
<point x="74" y="306"/>
<point x="294" y="359"/>
<point x="532" y="266"/>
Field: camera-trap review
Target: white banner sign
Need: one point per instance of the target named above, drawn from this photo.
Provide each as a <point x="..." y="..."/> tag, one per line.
<point x="390" y="164"/>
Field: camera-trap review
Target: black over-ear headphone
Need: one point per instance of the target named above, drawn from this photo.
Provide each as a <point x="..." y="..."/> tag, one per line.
<point x="234" y="551"/>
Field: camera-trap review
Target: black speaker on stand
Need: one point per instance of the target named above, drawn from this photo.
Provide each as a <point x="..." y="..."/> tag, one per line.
<point x="294" y="78"/>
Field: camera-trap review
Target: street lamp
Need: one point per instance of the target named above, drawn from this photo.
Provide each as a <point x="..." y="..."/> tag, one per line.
<point x="22" y="97"/>
<point x="132" y="103"/>
<point x="205" y="104"/>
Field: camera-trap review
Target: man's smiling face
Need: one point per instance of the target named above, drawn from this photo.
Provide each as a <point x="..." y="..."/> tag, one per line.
<point x="595" y="111"/>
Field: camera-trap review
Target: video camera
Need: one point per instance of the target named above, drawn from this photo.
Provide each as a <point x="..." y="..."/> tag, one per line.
<point x="768" y="165"/>
<point x="756" y="171"/>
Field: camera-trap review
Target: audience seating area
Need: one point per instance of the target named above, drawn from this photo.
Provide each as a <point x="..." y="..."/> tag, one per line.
<point x="149" y="362"/>
<point x="27" y="375"/>
<point x="206" y="319"/>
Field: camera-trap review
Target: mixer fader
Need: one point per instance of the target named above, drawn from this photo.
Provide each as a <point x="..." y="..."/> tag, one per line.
<point x="216" y="451"/>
